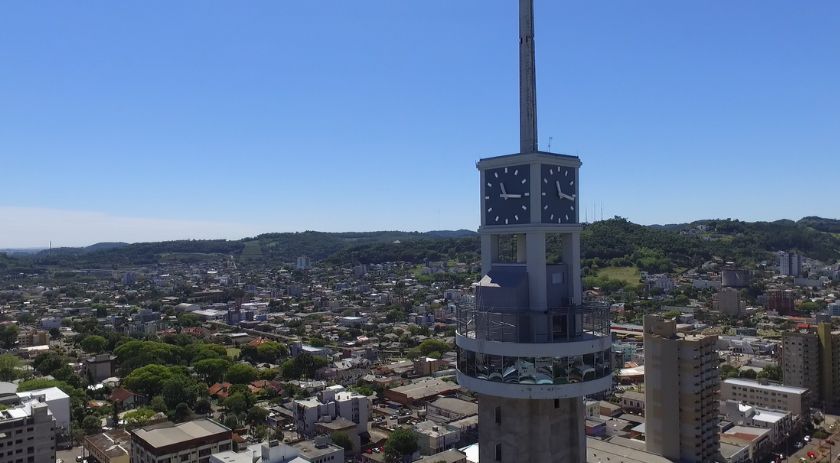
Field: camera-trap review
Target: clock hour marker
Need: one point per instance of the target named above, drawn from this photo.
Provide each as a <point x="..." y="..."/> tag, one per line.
<point x="524" y="180"/>
<point x="567" y="216"/>
<point x="506" y="221"/>
<point x="559" y="220"/>
<point x="545" y="180"/>
<point x="572" y="182"/>
<point x="552" y="217"/>
<point x="572" y="207"/>
<point x="551" y="171"/>
<point x="496" y="174"/>
<point x="527" y="194"/>
<point x="516" y="217"/>
<point x="497" y="218"/>
<point x="489" y="209"/>
<point x="516" y="172"/>
<point x="486" y="197"/>
<point x="524" y="207"/>
<point x="505" y="169"/>
<point x="543" y="193"/>
<point x="545" y="208"/>
<point x="566" y="172"/>
<point x="490" y="184"/>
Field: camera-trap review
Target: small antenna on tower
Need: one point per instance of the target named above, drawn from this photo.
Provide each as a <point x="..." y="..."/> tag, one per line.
<point x="549" y="143"/>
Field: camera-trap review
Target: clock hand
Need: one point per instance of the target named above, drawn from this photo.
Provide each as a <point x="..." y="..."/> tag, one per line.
<point x="570" y="198"/>
<point x="502" y="186"/>
<point x="559" y="191"/>
<point x="509" y="195"/>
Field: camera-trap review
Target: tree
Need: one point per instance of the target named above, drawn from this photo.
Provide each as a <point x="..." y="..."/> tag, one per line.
<point x="93" y="344"/>
<point x="256" y="415"/>
<point x="182" y="413"/>
<point x="180" y="389"/>
<point x="48" y="362"/>
<point x="241" y="373"/>
<point x="55" y="333"/>
<point x="402" y="443"/>
<point x="342" y="440"/>
<point x="8" y="367"/>
<point x="771" y="372"/>
<point x="158" y="404"/>
<point x="749" y="374"/>
<point x="212" y="370"/>
<point x="139" y="417"/>
<point x="92" y="424"/>
<point x="148" y="380"/>
<point x="202" y="406"/>
<point x="237" y="403"/>
<point x="9" y="335"/>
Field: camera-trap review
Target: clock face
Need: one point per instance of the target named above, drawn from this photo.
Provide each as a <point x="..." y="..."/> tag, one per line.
<point x="507" y="192"/>
<point x="559" y="194"/>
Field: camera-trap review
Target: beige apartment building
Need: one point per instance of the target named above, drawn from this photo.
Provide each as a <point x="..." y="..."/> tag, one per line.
<point x="773" y="396"/>
<point x="811" y="359"/>
<point x="27" y="434"/>
<point x="681" y="393"/>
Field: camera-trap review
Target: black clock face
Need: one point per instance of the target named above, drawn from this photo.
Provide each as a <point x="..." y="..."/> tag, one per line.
<point x="507" y="192"/>
<point x="559" y="194"/>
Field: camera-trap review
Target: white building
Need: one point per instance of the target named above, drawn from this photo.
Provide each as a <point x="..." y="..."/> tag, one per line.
<point x="778" y="422"/>
<point x="320" y="450"/>
<point x="58" y="403"/>
<point x="332" y="402"/>
<point x="435" y="437"/>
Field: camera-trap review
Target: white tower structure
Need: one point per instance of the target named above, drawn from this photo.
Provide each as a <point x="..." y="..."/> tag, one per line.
<point x="530" y="348"/>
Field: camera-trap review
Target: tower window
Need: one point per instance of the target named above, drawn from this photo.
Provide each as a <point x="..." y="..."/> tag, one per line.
<point x="556" y="403"/>
<point x="498" y="452"/>
<point x="498" y="415"/>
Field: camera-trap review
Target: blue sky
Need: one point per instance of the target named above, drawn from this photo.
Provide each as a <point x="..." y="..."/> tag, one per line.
<point x="154" y="120"/>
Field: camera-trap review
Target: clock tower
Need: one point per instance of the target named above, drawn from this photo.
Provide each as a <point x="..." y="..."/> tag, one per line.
<point x="531" y="348"/>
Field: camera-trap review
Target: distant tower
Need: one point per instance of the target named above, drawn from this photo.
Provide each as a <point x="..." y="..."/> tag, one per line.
<point x="531" y="348"/>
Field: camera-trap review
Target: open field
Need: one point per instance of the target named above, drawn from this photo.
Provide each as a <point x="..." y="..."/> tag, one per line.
<point x="629" y="275"/>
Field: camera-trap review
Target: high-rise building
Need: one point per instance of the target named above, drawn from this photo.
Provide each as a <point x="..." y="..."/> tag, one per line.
<point x="790" y="264"/>
<point x="782" y="301"/>
<point x="530" y="348"/>
<point x="30" y="430"/>
<point x="303" y="263"/>
<point x="681" y="393"/>
<point x="811" y="359"/>
<point x="728" y="301"/>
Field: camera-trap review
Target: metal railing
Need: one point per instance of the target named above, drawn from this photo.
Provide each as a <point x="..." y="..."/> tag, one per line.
<point x="517" y="325"/>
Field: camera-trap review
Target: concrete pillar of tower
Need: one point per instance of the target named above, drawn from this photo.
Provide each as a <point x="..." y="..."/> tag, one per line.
<point x="536" y="270"/>
<point x="571" y="255"/>
<point x="489" y="252"/>
<point x="536" y="431"/>
<point x="521" y="249"/>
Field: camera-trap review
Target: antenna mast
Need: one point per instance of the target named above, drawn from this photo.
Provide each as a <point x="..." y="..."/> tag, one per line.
<point x="527" y="79"/>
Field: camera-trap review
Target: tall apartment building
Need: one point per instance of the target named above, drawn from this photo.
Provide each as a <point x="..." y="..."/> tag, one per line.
<point x="27" y="434"/>
<point x="728" y="301"/>
<point x="189" y="442"/>
<point x="781" y="301"/>
<point x="681" y="393"/>
<point x="790" y="264"/>
<point x="812" y="360"/>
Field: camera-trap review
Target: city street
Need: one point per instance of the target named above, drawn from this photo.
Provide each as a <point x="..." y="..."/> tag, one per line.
<point x="68" y="456"/>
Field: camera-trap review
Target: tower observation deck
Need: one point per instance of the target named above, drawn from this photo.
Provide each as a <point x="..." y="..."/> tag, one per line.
<point x="530" y="347"/>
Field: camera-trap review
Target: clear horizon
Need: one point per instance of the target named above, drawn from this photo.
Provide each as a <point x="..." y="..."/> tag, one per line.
<point x="159" y="121"/>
